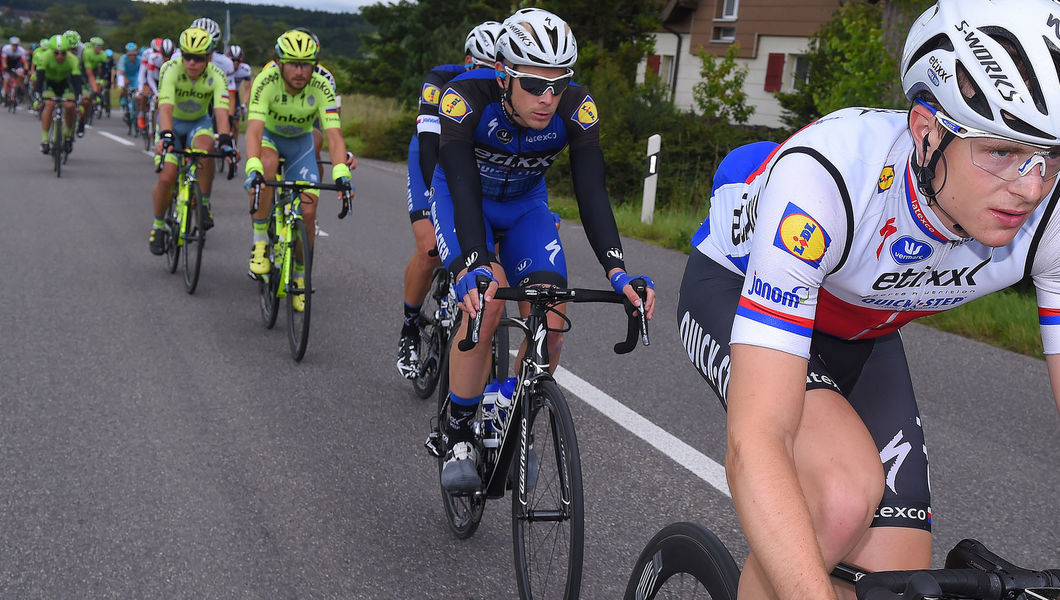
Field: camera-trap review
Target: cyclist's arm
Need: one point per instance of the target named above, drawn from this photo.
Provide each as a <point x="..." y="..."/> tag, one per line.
<point x="252" y="141"/>
<point x="765" y="405"/>
<point x="465" y="188"/>
<point x="1052" y="363"/>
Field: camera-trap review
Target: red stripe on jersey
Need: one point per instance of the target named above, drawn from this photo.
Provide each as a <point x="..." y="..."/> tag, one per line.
<point x="849" y="321"/>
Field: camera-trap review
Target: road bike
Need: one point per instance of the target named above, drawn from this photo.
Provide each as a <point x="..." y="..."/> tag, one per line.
<point x="56" y="137"/>
<point x="287" y="250"/>
<point x="437" y="318"/>
<point x="186" y="213"/>
<point x="686" y="560"/>
<point x="530" y="447"/>
<point x="148" y="131"/>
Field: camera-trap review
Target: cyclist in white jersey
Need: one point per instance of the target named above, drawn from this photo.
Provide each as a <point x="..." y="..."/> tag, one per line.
<point x="816" y="251"/>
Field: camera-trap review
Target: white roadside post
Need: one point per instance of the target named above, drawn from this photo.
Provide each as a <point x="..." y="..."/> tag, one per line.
<point x="647" y="208"/>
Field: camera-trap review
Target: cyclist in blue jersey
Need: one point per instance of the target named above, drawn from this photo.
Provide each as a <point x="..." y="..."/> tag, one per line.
<point x="500" y="131"/>
<point x="479" y="52"/>
<point x="127" y="72"/>
<point x="815" y="252"/>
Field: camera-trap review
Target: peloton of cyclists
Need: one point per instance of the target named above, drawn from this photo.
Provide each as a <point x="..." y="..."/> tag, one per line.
<point x="59" y="77"/>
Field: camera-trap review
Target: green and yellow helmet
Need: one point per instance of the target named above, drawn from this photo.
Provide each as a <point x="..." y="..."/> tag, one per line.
<point x="296" y="46"/>
<point x="194" y="40"/>
<point x="58" y="43"/>
<point x="96" y="41"/>
<point x="72" y="38"/>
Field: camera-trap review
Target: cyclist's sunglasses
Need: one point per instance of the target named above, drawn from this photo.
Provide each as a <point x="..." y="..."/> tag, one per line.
<point x="538" y="85"/>
<point x="196" y="58"/>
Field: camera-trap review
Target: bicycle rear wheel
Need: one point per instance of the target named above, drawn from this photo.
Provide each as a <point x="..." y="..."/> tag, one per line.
<point x="432" y="334"/>
<point x="548" y="531"/>
<point x="684" y="560"/>
<point x="268" y="283"/>
<point x="172" y="233"/>
<point x="298" y="321"/>
<point x="56" y="137"/>
<point x="194" y="238"/>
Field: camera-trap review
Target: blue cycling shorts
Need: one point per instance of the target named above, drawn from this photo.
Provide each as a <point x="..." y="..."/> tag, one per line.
<point x="186" y="131"/>
<point x="530" y="249"/>
<point x="300" y="159"/>
<point x="418" y="199"/>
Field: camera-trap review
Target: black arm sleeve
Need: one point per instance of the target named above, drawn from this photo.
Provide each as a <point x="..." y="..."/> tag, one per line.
<point x="40" y="82"/>
<point x="465" y="189"/>
<point x="428" y="155"/>
<point x="587" y="169"/>
<point x="76" y="82"/>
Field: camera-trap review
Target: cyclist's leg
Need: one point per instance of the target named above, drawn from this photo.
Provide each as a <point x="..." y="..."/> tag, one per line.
<point x="50" y="98"/>
<point x="300" y="164"/>
<point x="202" y="139"/>
<point x="270" y="160"/>
<point x="420" y="266"/>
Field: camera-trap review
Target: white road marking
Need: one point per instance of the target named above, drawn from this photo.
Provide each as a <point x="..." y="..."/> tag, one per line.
<point x="117" y="139"/>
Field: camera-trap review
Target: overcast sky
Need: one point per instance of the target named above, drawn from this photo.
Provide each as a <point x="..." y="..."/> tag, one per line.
<point x="328" y="5"/>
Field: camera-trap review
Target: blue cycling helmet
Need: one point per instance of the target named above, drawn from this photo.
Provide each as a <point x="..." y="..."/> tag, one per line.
<point x="130" y="47"/>
<point x="110" y="53"/>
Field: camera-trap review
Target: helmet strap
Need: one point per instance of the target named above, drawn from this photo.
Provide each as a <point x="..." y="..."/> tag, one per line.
<point x="925" y="175"/>
<point x="506" y="101"/>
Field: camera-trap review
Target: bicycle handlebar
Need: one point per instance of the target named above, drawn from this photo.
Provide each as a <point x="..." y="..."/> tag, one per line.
<point x="166" y="149"/>
<point x="637" y="325"/>
<point x="300" y="186"/>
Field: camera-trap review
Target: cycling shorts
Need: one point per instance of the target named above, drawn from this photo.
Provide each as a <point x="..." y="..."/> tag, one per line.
<point x="300" y="159"/>
<point x="58" y="89"/>
<point x="186" y="131"/>
<point x="530" y="250"/>
<point x="418" y="198"/>
<point x="871" y="374"/>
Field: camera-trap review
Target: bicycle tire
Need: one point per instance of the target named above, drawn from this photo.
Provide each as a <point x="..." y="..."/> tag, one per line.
<point x="431" y="336"/>
<point x="684" y="560"/>
<point x="548" y="534"/>
<point x="172" y="233"/>
<point x="463" y="512"/>
<point x="298" y="321"/>
<point x="194" y="238"/>
<point x="148" y="121"/>
<point x="270" y="282"/>
<point x="57" y="142"/>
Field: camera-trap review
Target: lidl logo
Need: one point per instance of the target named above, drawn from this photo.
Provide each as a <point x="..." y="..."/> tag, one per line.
<point x="802" y="236"/>
<point x="430" y="94"/>
<point x="454" y="106"/>
<point x="586" y="116"/>
<point x="886" y="179"/>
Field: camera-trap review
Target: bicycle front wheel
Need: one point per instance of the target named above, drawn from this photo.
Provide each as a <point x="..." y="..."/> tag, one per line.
<point x="684" y="560"/>
<point x="270" y="282"/>
<point x="548" y="530"/>
<point x="298" y="316"/>
<point x="194" y="238"/>
<point x="432" y="334"/>
<point x="57" y="141"/>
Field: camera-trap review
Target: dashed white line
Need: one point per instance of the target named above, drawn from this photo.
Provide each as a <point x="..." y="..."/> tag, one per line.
<point x="116" y="138"/>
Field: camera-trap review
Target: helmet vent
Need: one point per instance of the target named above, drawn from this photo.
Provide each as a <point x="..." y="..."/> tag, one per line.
<point x="1022" y="126"/>
<point x="940" y="41"/>
<point x="977" y="99"/>
<point x="1015" y="49"/>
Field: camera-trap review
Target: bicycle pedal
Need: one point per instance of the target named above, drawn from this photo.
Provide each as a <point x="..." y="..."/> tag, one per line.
<point x="434" y="444"/>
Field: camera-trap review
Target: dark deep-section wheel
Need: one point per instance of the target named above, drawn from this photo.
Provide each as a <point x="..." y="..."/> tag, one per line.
<point x="548" y="532"/>
<point x="172" y="245"/>
<point x="432" y="335"/>
<point x="56" y="137"/>
<point x="267" y="284"/>
<point x="684" y="560"/>
<point x="463" y="511"/>
<point x="194" y="238"/>
<point x="298" y="321"/>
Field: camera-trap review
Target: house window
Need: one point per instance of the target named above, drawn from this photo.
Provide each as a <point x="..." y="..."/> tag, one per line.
<point x="653" y="63"/>
<point x="724" y="34"/>
<point x="800" y="72"/>
<point x="774" y="72"/>
<point x="728" y="8"/>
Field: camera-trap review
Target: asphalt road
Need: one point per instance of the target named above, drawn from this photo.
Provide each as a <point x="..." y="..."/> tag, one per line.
<point x="159" y="445"/>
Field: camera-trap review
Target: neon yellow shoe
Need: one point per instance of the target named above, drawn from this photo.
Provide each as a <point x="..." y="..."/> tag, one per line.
<point x="259" y="264"/>
<point x="298" y="300"/>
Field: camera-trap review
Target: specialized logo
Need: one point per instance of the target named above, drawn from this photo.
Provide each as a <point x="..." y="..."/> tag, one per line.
<point x="886" y="231"/>
<point x="454" y="106"/>
<point x="586" y="115"/>
<point x="886" y="179"/>
<point x="895" y="450"/>
<point x="905" y="250"/>
<point x="553" y="248"/>
<point x="802" y="236"/>
<point x="523" y="265"/>
<point x="799" y="293"/>
<point x="430" y="94"/>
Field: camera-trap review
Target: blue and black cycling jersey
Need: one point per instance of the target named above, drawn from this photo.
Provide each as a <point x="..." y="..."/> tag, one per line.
<point x="484" y="154"/>
<point x="423" y="148"/>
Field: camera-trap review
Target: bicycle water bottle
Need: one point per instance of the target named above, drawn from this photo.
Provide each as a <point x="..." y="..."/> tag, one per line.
<point x="490" y="439"/>
<point x="504" y="403"/>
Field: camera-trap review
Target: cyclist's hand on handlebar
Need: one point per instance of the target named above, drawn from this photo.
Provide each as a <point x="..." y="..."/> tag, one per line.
<point x="622" y="284"/>
<point x="467" y="289"/>
<point x="166" y="138"/>
<point x="351" y="160"/>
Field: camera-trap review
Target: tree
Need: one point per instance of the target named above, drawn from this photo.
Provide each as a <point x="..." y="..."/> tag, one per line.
<point x="154" y="20"/>
<point x="719" y="93"/>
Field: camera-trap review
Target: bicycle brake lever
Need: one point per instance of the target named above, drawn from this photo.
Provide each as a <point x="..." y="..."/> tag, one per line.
<point x="345" y="205"/>
<point x="642" y="290"/>
<point x="482" y="283"/>
<point x="257" y="193"/>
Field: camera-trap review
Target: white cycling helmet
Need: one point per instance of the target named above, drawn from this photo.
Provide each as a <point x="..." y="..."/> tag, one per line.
<point x="210" y="26"/>
<point x="533" y="36"/>
<point x="1015" y="98"/>
<point x="481" y="43"/>
<point x="14" y="40"/>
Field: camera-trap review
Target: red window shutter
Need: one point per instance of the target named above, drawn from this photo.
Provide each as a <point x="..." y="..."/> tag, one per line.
<point x="653" y="63"/>
<point x="774" y="72"/>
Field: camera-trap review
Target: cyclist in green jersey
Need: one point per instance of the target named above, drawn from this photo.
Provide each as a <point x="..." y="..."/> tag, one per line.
<point x="92" y="57"/>
<point x="59" y="76"/>
<point x="284" y="103"/>
<point x="186" y="88"/>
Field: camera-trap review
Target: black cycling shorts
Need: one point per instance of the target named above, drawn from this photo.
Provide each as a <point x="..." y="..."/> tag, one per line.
<point x="871" y="374"/>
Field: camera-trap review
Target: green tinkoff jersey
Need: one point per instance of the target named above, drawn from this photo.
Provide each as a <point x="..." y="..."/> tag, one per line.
<point x="58" y="71"/>
<point x="291" y="116"/>
<point x="191" y="98"/>
<point x="93" y="59"/>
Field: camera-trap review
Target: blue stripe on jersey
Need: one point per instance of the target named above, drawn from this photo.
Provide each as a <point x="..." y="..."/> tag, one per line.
<point x="747" y="313"/>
